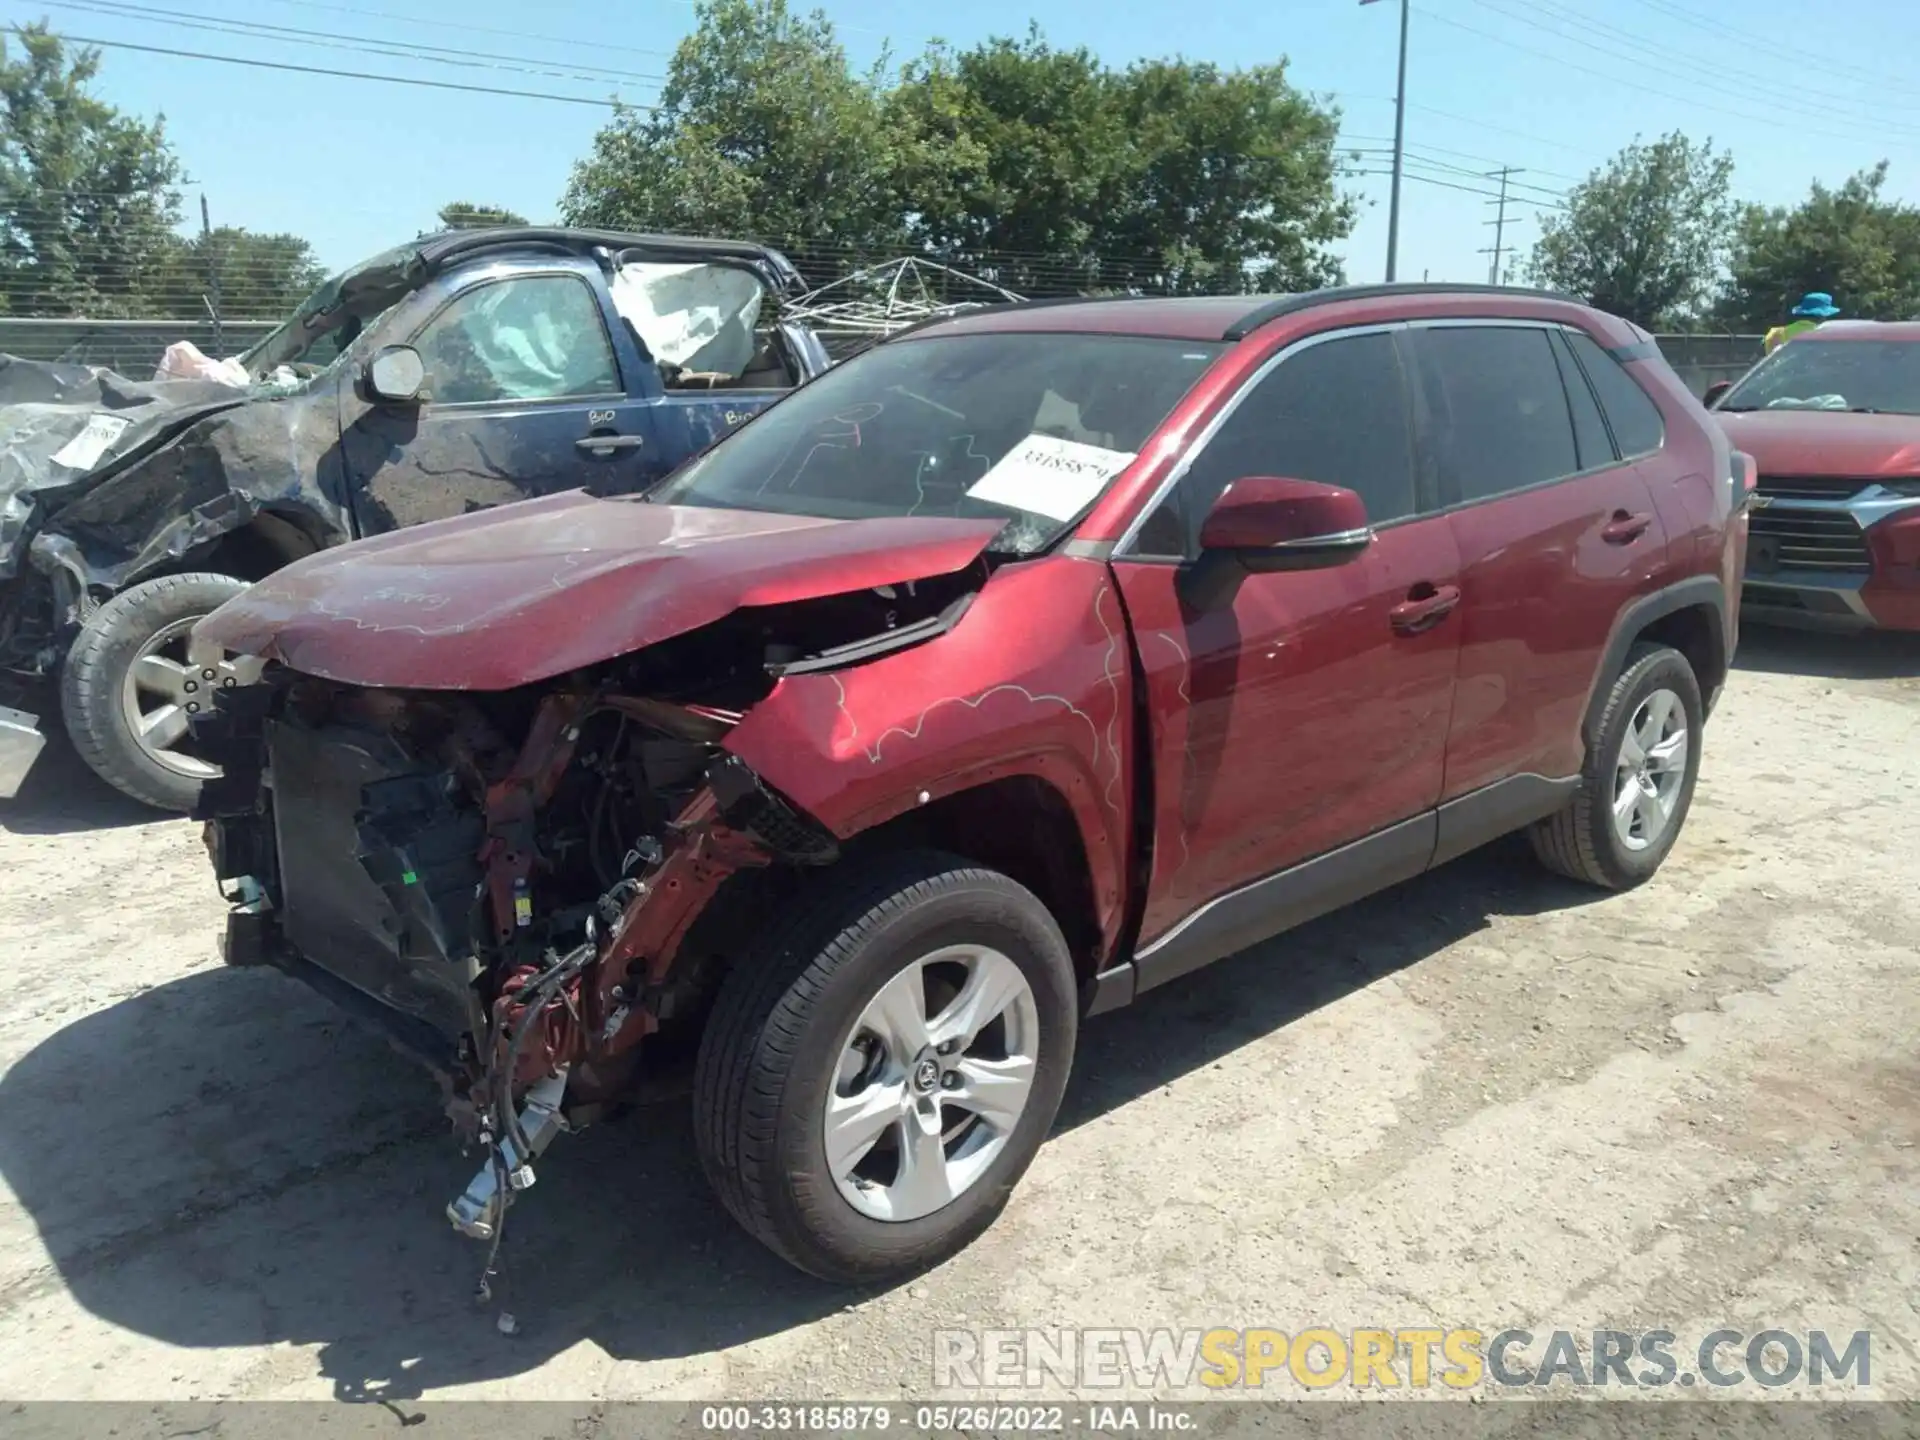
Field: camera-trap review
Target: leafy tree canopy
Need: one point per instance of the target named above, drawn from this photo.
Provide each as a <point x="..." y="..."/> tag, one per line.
<point x="1041" y="167"/>
<point x="465" y="215"/>
<point x="1644" y="236"/>
<point x="87" y="198"/>
<point x="1849" y="241"/>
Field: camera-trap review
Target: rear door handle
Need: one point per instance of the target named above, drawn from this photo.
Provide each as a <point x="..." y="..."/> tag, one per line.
<point x="1624" y="528"/>
<point x="1425" y="607"/>
<point x="607" y="444"/>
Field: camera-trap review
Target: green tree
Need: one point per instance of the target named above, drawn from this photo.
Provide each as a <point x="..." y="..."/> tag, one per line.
<point x="1861" y="248"/>
<point x="1058" y="174"/>
<point x="1006" y="154"/>
<point x="465" y="215"/>
<point x="1646" y="235"/>
<point x="87" y="198"/>
<point x="762" y="132"/>
<point x="1229" y="181"/>
<point x="246" y="275"/>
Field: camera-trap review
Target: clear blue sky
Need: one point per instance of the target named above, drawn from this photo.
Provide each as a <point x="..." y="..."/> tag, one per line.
<point x="1550" y="87"/>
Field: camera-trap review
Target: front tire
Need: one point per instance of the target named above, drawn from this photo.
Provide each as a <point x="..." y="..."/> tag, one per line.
<point x="127" y="689"/>
<point x="874" y="1081"/>
<point x="1638" y="782"/>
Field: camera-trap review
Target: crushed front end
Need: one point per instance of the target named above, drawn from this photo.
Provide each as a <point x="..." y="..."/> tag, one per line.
<point x="514" y="886"/>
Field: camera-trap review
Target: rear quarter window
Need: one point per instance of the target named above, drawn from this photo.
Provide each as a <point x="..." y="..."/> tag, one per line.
<point x="1636" y="422"/>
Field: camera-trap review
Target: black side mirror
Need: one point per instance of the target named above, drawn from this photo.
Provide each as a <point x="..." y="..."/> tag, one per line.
<point x="1714" y="391"/>
<point x="397" y="375"/>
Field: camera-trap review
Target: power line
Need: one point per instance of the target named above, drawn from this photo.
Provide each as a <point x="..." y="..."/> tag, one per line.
<point x="1614" y="79"/>
<point x="1530" y="136"/>
<point x="1804" y="99"/>
<point x="1830" y="68"/>
<point x="402" y="50"/>
<point x="1450" y="168"/>
<point x="440" y="25"/>
<point x="345" y="74"/>
<point x="1457" y="154"/>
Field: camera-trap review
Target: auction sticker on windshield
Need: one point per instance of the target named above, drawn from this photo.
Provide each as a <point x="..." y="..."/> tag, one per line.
<point x="1049" y="476"/>
<point x="84" y="450"/>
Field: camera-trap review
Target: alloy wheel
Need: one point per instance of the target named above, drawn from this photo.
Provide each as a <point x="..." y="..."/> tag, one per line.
<point x="171" y="680"/>
<point x="931" y="1082"/>
<point x="1651" y="770"/>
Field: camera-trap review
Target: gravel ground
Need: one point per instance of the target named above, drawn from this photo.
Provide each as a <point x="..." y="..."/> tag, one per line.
<point x="1487" y="1099"/>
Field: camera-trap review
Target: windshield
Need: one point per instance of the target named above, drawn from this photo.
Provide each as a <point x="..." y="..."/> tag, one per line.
<point x="1027" y="426"/>
<point x="1876" y="376"/>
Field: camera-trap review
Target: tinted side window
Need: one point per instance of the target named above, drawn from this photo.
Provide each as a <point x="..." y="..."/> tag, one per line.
<point x="1589" y="427"/>
<point x="1336" y="412"/>
<point x="1636" y="419"/>
<point x="1500" y="412"/>
<point x="535" y="337"/>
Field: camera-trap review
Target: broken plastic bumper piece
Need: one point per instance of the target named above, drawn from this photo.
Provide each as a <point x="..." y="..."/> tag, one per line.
<point x="20" y="745"/>
<point x="476" y="1214"/>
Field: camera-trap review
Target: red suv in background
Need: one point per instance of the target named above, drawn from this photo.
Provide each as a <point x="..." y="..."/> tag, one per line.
<point x="1024" y="663"/>
<point x="1832" y="420"/>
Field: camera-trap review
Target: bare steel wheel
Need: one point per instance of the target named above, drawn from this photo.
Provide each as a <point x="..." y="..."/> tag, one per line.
<point x="135" y="678"/>
<point x="926" y="1098"/>
<point x="877" y="1074"/>
<point x="1651" y="770"/>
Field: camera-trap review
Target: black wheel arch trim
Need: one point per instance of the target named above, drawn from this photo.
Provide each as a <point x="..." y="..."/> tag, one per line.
<point x="1688" y="594"/>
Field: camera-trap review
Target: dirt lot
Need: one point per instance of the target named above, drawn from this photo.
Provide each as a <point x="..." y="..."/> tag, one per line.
<point x="1489" y="1098"/>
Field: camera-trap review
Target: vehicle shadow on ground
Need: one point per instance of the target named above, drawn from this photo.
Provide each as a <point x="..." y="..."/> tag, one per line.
<point x="62" y="796"/>
<point x="1871" y="655"/>
<point x="222" y="1162"/>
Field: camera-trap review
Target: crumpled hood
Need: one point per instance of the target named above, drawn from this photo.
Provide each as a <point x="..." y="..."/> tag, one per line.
<point x="64" y="428"/>
<point x="524" y="592"/>
<point x="1825" y="442"/>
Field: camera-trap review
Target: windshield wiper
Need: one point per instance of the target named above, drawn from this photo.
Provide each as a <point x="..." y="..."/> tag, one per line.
<point x="1735" y="409"/>
<point x="1863" y="410"/>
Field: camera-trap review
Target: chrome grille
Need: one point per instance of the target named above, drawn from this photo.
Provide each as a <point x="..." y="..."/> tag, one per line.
<point x="1783" y="540"/>
<point x="1812" y="487"/>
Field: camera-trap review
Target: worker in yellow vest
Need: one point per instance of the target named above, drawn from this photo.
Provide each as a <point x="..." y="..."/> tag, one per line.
<point x="1812" y="309"/>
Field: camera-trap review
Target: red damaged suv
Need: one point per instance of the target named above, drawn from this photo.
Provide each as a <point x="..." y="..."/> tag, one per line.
<point x="1027" y="662"/>
<point x="1832" y="420"/>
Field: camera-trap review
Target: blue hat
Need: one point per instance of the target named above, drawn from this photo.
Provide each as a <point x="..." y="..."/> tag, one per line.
<point x="1819" y="305"/>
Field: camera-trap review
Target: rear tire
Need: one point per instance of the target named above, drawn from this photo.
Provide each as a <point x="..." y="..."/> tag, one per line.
<point x="1629" y="809"/>
<point x="792" y="1048"/>
<point x="94" y="687"/>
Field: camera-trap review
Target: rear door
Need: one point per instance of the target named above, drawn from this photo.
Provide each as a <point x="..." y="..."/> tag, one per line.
<point x="530" y="390"/>
<point x="1556" y="534"/>
<point x="1310" y="708"/>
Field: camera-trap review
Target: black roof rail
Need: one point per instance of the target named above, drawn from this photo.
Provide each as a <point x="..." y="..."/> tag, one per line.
<point x="1311" y="299"/>
<point x="1260" y="314"/>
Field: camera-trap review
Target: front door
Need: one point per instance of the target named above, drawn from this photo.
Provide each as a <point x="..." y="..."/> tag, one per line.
<point x="1556" y="531"/>
<point x="1311" y="708"/>
<point x="524" y="396"/>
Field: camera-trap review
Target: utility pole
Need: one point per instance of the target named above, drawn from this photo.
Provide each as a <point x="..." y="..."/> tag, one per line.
<point x="1499" y="223"/>
<point x="213" y="274"/>
<point x="1399" y="144"/>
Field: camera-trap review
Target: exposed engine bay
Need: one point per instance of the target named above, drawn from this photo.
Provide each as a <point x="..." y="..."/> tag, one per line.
<point x="518" y="886"/>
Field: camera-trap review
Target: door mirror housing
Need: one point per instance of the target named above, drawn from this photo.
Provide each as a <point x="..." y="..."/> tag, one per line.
<point x="1714" y="391"/>
<point x="397" y="375"/>
<point x="1267" y="523"/>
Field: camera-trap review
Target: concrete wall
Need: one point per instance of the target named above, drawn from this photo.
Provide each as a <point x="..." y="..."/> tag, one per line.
<point x="1702" y="359"/>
